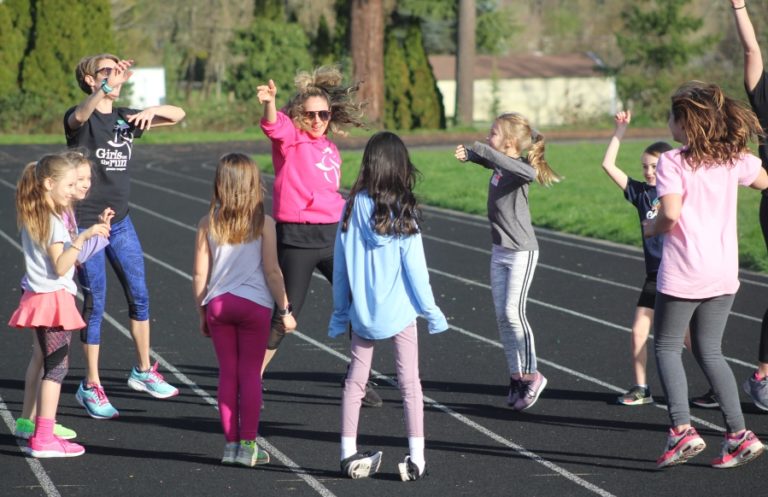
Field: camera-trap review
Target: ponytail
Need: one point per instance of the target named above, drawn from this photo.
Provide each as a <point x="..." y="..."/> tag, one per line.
<point x="545" y="175"/>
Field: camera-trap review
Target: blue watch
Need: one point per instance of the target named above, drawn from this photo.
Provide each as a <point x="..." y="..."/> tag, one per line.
<point x="105" y="87"/>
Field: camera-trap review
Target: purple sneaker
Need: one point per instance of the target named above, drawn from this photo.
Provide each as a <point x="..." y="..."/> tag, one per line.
<point x="515" y="387"/>
<point x="530" y="391"/>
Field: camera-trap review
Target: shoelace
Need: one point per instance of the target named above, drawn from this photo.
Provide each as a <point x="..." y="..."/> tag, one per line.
<point x="101" y="396"/>
<point x="155" y="374"/>
<point x="526" y="388"/>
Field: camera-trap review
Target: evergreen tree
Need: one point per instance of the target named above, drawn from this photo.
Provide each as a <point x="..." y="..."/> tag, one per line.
<point x="15" y="23"/>
<point x="426" y="100"/>
<point x="397" y="109"/>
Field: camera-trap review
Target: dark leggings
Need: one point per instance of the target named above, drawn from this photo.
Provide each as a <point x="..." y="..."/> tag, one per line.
<point x="297" y="265"/>
<point x="54" y="342"/>
<point x="763" y="350"/>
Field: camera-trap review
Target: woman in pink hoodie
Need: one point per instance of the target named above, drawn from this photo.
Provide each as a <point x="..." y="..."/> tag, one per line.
<point x="306" y="202"/>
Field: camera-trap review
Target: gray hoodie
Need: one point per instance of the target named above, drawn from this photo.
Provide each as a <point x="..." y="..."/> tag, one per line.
<point x="507" y="197"/>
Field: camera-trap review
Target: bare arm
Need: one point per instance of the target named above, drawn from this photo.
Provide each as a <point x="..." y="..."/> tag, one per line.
<point x="761" y="182"/>
<point x="158" y="115"/>
<point x="669" y="213"/>
<point x="63" y="259"/>
<point x="201" y="271"/>
<point x="119" y="75"/>
<point x="266" y="94"/>
<point x="272" y="272"/>
<point x="753" y="58"/>
<point x="618" y="176"/>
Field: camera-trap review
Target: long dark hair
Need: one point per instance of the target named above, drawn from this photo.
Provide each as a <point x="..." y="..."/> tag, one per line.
<point x="388" y="176"/>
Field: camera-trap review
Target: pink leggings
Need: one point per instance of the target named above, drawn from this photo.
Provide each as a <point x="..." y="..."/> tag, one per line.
<point x="239" y="329"/>
<point x="407" y="363"/>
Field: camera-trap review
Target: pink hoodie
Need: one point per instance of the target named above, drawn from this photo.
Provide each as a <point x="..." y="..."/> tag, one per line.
<point x="307" y="174"/>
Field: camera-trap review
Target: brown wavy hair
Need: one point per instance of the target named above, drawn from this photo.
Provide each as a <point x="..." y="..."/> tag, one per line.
<point x="236" y="213"/>
<point x="717" y="128"/>
<point x="529" y="142"/>
<point x="33" y="212"/>
<point x="326" y="82"/>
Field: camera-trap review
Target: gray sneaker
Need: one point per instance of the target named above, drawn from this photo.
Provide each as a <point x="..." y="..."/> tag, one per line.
<point x="361" y="465"/>
<point x="757" y="391"/>
<point x="530" y="391"/>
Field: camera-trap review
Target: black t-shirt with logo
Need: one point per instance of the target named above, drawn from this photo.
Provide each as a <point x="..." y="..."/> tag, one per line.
<point x="109" y="141"/>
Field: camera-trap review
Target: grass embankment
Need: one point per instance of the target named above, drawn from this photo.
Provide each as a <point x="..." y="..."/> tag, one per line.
<point x="585" y="203"/>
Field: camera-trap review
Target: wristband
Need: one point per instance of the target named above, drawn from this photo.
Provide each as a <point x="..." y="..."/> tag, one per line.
<point x="75" y="247"/>
<point x="105" y="87"/>
<point x="285" y="312"/>
<point x="739" y="8"/>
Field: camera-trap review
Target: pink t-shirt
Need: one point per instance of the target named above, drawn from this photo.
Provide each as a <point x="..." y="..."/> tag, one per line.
<point x="307" y="174"/>
<point x="700" y="258"/>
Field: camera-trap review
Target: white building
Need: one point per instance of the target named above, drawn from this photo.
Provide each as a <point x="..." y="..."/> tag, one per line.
<point x="549" y="90"/>
<point x="147" y="87"/>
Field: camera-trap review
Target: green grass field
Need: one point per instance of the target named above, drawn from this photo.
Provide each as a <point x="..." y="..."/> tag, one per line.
<point x="585" y="203"/>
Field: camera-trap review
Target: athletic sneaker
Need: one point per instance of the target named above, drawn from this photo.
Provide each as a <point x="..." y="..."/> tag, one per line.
<point x="410" y="471"/>
<point x="361" y="465"/>
<point x="739" y="450"/>
<point x="757" y="389"/>
<point x="95" y="402"/>
<point x="371" y="398"/>
<point x="530" y="391"/>
<point x="680" y="447"/>
<point x="25" y="428"/>
<point x="151" y="382"/>
<point x="249" y="454"/>
<point x="230" y="452"/>
<point x="636" y="396"/>
<point x="706" y="401"/>
<point x="56" y="447"/>
<point x="515" y="385"/>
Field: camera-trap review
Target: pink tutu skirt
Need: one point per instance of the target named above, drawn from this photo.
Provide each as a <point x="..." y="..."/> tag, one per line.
<point x="47" y="310"/>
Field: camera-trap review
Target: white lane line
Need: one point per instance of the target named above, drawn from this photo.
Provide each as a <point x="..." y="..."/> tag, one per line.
<point x="42" y="477"/>
<point x="34" y="464"/>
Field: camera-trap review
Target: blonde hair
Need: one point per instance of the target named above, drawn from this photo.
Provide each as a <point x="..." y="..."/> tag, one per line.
<point x="326" y="82"/>
<point x="88" y="66"/>
<point x="529" y="142"/>
<point x="717" y="128"/>
<point x="33" y="212"/>
<point x="236" y="213"/>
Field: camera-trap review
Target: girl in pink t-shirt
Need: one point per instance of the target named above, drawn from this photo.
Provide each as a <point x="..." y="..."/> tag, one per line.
<point x="698" y="276"/>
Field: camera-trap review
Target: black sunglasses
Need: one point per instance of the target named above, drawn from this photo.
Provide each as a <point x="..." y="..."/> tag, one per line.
<point x="324" y="115"/>
<point x="105" y="70"/>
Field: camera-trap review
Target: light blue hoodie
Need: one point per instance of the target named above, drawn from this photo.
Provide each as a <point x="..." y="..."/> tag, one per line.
<point x="380" y="282"/>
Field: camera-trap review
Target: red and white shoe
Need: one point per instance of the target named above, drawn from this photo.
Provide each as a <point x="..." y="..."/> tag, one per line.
<point x="739" y="450"/>
<point x="681" y="447"/>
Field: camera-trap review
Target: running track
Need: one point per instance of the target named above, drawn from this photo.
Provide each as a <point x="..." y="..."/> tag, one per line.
<point x="574" y="442"/>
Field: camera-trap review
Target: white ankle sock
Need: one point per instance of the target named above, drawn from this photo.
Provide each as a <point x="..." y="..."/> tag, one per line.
<point x="416" y="446"/>
<point x="348" y="447"/>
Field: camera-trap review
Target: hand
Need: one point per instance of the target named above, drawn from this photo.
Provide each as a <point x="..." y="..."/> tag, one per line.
<point x="289" y="322"/>
<point x="461" y="153"/>
<point x="204" y="328"/>
<point x="622" y="119"/>
<point x="106" y="216"/>
<point x="142" y="120"/>
<point x="99" y="229"/>
<point x="120" y="74"/>
<point x="266" y="93"/>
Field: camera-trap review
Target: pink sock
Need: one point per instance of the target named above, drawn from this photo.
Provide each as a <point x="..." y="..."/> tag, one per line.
<point x="44" y="429"/>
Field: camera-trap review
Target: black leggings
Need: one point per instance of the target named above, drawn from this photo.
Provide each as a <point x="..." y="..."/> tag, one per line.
<point x="297" y="265"/>
<point x="54" y="342"/>
<point x="763" y="350"/>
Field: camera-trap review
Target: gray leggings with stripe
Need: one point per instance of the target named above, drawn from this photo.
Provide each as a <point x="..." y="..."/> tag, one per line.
<point x="707" y="320"/>
<point x="511" y="276"/>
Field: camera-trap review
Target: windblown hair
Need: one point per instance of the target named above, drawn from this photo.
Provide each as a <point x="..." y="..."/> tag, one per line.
<point x="388" y="176"/>
<point x="326" y="82"/>
<point x="88" y="66"/>
<point x="717" y="128"/>
<point x="657" y="148"/>
<point x="236" y="213"/>
<point x="529" y="142"/>
<point x="33" y="212"/>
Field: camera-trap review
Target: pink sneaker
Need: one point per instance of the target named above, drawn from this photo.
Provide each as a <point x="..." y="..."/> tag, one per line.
<point x="739" y="450"/>
<point x="680" y="447"/>
<point x="56" y="447"/>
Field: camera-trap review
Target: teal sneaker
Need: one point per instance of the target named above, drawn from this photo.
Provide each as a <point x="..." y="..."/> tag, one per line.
<point x="230" y="452"/>
<point x="25" y="428"/>
<point x="249" y="454"/>
<point x="95" y="402"/>
<point x="151" y="382"/>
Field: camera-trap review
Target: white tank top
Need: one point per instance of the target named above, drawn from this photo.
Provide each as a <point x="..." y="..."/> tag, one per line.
<point x="237" y="269"/>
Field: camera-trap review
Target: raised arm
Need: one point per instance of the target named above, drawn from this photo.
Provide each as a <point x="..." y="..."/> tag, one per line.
<point x="753" y="58"/>
<point x="266" y="94"/>
<point x="119" y="75"/>
<point x="618" y="176"/>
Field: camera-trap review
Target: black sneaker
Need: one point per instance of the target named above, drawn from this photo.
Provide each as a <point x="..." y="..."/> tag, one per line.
<point x="361" y="465"/>
<point x="636" y="396"/>
<point x="409" y="471"/>
<point x="371" y="398"/>
<point x="706" y="401"/>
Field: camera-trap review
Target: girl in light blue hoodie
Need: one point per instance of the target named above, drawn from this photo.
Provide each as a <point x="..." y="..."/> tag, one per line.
<point x="381" y="285"/>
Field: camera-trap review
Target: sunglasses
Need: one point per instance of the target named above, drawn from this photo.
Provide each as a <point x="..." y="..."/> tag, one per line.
<point x="324" y="115"/>
<point x="106" y="70"/>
